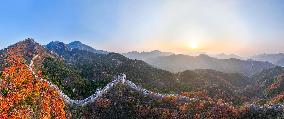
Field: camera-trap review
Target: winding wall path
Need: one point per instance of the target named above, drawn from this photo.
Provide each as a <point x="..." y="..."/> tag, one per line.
<point x="122" y="79"/>
<point x="119" y="79"/>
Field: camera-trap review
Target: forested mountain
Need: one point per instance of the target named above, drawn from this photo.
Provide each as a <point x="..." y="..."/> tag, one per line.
<point x="269" y="84"/>
<point x="81" y="46"/>
<point x="179" y="63"/>
<point x="93" y="66"/>
<point x="22" y="94"/>
<point x="96" y="67"/>
<point x="74" y="45"/>
<point x="277" y="59"/>
<point x="28" y="71"/>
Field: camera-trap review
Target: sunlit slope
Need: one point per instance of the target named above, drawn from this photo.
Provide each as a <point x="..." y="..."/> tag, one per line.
<point x="22" y="95"/>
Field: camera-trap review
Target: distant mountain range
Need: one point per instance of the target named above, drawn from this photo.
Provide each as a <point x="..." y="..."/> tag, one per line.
<point x="72" y="68"/>
<point x="277" y="59"/>
<point x="221" y="62"/>
<point x="146" y="55"/>
<point x="227" y="56"/>
<point x="74" y="45"/>
<point x="179" y="63"/>
<point x="218" y="85"/>
<point x="95" y="67"/>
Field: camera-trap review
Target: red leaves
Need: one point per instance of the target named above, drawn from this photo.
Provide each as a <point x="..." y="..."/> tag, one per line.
<point x="194" y="94"/>
<point x="169" y="98"/>
<point x="39" y="74"/>
<point x="277" y="99"/>
<point x="24" y="91"/>
<point x="184" y="108"/>
<point x="273" y="86"/>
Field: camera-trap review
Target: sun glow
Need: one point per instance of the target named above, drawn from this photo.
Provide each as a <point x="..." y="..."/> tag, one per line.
<point x="193" y="45"/>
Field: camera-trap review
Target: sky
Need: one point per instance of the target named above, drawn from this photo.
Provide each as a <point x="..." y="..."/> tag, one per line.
<point x="242" y="27"/>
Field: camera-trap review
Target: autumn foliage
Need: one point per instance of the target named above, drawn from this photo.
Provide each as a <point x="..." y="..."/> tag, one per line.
<point x="24" y="96"/>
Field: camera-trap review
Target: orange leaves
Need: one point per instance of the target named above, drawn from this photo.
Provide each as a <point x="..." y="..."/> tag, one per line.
<point x="20" y="113"/>
<point x="170" y="98"/>
<point x="24" y="94"/>
<point x="58" y="107"/>
<point x="46" y="110"/>
<point x="52" y="104"/>
<point x="39" y="74"/>
<point x="273" y="86"/>
<point x="277" y="99"/>
<point x="184" y="107"/>
<point x="4" y="106"/>
<point x="194" y="94"/>
<point x="45" y="85"/>
<point x="186" y="94"/>
<point x="3" y="115"/>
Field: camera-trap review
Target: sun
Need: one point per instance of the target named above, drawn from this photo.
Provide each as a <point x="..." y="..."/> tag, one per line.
<point x="193" y="45"/>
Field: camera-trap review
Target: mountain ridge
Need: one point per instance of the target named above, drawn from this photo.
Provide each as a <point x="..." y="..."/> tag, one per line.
<point x="146" y="55"/>
<point x="179" y="63"/>
<point x="70" y="70"/>
<point x="227" y="56"/>
<point x="277" y="59"/>
<point x="73" y="45"/>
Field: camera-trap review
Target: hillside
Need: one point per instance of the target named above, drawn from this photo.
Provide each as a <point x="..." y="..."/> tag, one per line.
<point x="124" y="102"/>
<point x="179" y="63"/>
<point x="76" y="45"/>
<point x="60" y="81"/>
<point x="216" y="84"/>
<point x="81" y="46"/>
<point x="269" y="85"/>
<point x="22" y="94"/>
<point x="277" y="59"/>
<point x="98" y="67"/>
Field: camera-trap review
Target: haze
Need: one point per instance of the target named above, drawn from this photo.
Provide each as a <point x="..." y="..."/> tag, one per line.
<point x="243" y="27"/>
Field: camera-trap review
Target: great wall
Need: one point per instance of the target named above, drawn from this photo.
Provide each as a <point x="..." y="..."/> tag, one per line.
<point x="122" y="79"/>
